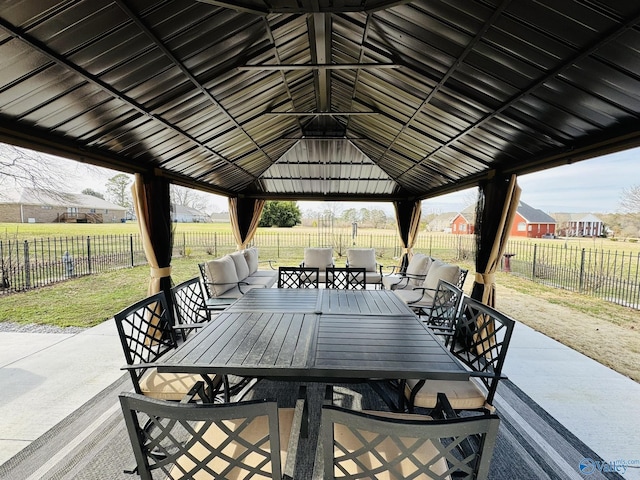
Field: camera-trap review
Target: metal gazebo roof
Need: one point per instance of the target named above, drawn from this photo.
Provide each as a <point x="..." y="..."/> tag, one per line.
<point x="366" y="100"/>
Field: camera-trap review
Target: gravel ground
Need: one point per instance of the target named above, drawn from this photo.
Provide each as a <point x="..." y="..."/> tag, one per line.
<point x="34" y="328"/>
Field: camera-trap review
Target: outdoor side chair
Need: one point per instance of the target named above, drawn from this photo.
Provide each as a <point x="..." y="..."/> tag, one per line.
<point x="190" y="306"/>
<point x="186" y="440"/>
<point x="480" y="341"/>
<point x="347" y="278"/>
<point x="146" y="333"/>
<point x="375" y="444"/>
<point x="205" y="280"/>
<point x="298" y="277"/>
<point x="443" y="313"/>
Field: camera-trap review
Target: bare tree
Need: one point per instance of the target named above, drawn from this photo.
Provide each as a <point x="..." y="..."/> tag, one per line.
<point x="21" y="168"/>
<point x="187" y="197"/>
<point x="630" y="201"/>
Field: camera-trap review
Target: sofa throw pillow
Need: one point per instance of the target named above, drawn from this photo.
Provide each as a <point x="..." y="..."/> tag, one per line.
<point x="242" y="269"/>
<point x="222" y="274"/>
<point x="418" y="265"/>
<point x="362" y="258"/>
<point x="318" y="257"/>
<point x="441" y="271"/>
<point x="251" y="256"/>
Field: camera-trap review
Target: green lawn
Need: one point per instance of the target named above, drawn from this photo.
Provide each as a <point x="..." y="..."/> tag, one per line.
<point x="86" y="301"/>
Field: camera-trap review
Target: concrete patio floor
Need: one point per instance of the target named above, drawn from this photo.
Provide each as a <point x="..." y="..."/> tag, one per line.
<point x="46" y="376"/>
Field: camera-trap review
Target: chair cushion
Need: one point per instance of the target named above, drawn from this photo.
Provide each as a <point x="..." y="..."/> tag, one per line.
<point x="389" y="281"/>
<point x="374" y="277"/>
<point x="441" y="271"/>
<point x="242" y="269"/>
<point x="362" y="258"/>
<point x="266" y="281"/>
<point x="167" y="386"/>
<point x="415" y="297"/>
<point x="462" y="395"/>
<point x="222" y="275"/>
<point x="419" y="264"/>
<point x="387" y="449"/>
<point x="318" y="257"/>
<point x="253" y="434"/>
<point x="251" y="256"/>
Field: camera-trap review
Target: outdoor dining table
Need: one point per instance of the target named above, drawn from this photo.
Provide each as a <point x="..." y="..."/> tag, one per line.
<point x="318" y="335"/>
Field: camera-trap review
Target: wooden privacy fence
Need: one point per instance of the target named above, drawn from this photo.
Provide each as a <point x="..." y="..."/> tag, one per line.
<point x="607" y="274"/>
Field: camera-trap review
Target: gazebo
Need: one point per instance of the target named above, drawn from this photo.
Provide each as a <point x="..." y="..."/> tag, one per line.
<point x="374" y="100"/>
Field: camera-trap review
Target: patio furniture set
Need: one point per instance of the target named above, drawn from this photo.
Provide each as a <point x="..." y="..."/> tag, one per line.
<point x="191" y="367"/>
<point x="231" y="276"/>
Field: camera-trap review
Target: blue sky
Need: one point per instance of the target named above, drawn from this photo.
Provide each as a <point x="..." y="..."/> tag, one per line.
<point x="588" y="186"/>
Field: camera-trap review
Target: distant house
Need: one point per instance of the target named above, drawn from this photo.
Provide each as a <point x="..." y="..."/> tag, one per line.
<point x="441" y="223"/>
<point x="222" y="217"/>
<point x="579" y="225"/>
<point x="182" y="214"/>
<point x="529" y="222"/>
<point x="464" y="222"/>
<point x="532" y="223"/>
<point x="33" y="205"/>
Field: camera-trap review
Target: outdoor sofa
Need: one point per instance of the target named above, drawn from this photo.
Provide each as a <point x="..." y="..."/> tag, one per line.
<point x="234" y="274"/>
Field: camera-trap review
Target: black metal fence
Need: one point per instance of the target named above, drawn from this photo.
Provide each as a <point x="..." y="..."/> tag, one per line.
<point x="611" y="275"/>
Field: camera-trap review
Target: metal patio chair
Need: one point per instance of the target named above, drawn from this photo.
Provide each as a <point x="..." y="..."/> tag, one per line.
<point x="373" y="444"/>
<point x="347" y="278"/>
<point x="253" y="439"/>
<point x="205" y="280"/>
<point x="146" y="333"/>
<point x="480" y="341"/>
<point x="444" y="311"/>
<point x="190" y="306"/>
<point x="298" y="277"/>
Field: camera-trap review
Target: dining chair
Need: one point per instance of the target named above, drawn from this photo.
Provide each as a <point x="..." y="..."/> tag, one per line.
<point x="190" y="306"/>
<point x="205" y="280"/>
<point x="146" y="333"/>
<point x="347" y="278"/>
<point x="298" y="277"/>
<point x="187" y="440"/>
<point x="443" y="313"/>
<point x="394" y="446"/>
<point x="480" y="341"/>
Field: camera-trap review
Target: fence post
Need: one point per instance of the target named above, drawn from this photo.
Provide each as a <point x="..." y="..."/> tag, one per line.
<point x="278" y="244"/>
<point x="89" y="254"/>
<point x="131" y="248"/>
<point x="215" y="244"/>
<point x="581" y="279"/>
<point x="27" y="267"/>
<point x="535" y="258"/>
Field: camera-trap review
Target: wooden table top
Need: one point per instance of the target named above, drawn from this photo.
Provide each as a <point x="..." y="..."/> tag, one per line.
<point x="316" y="335"/>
